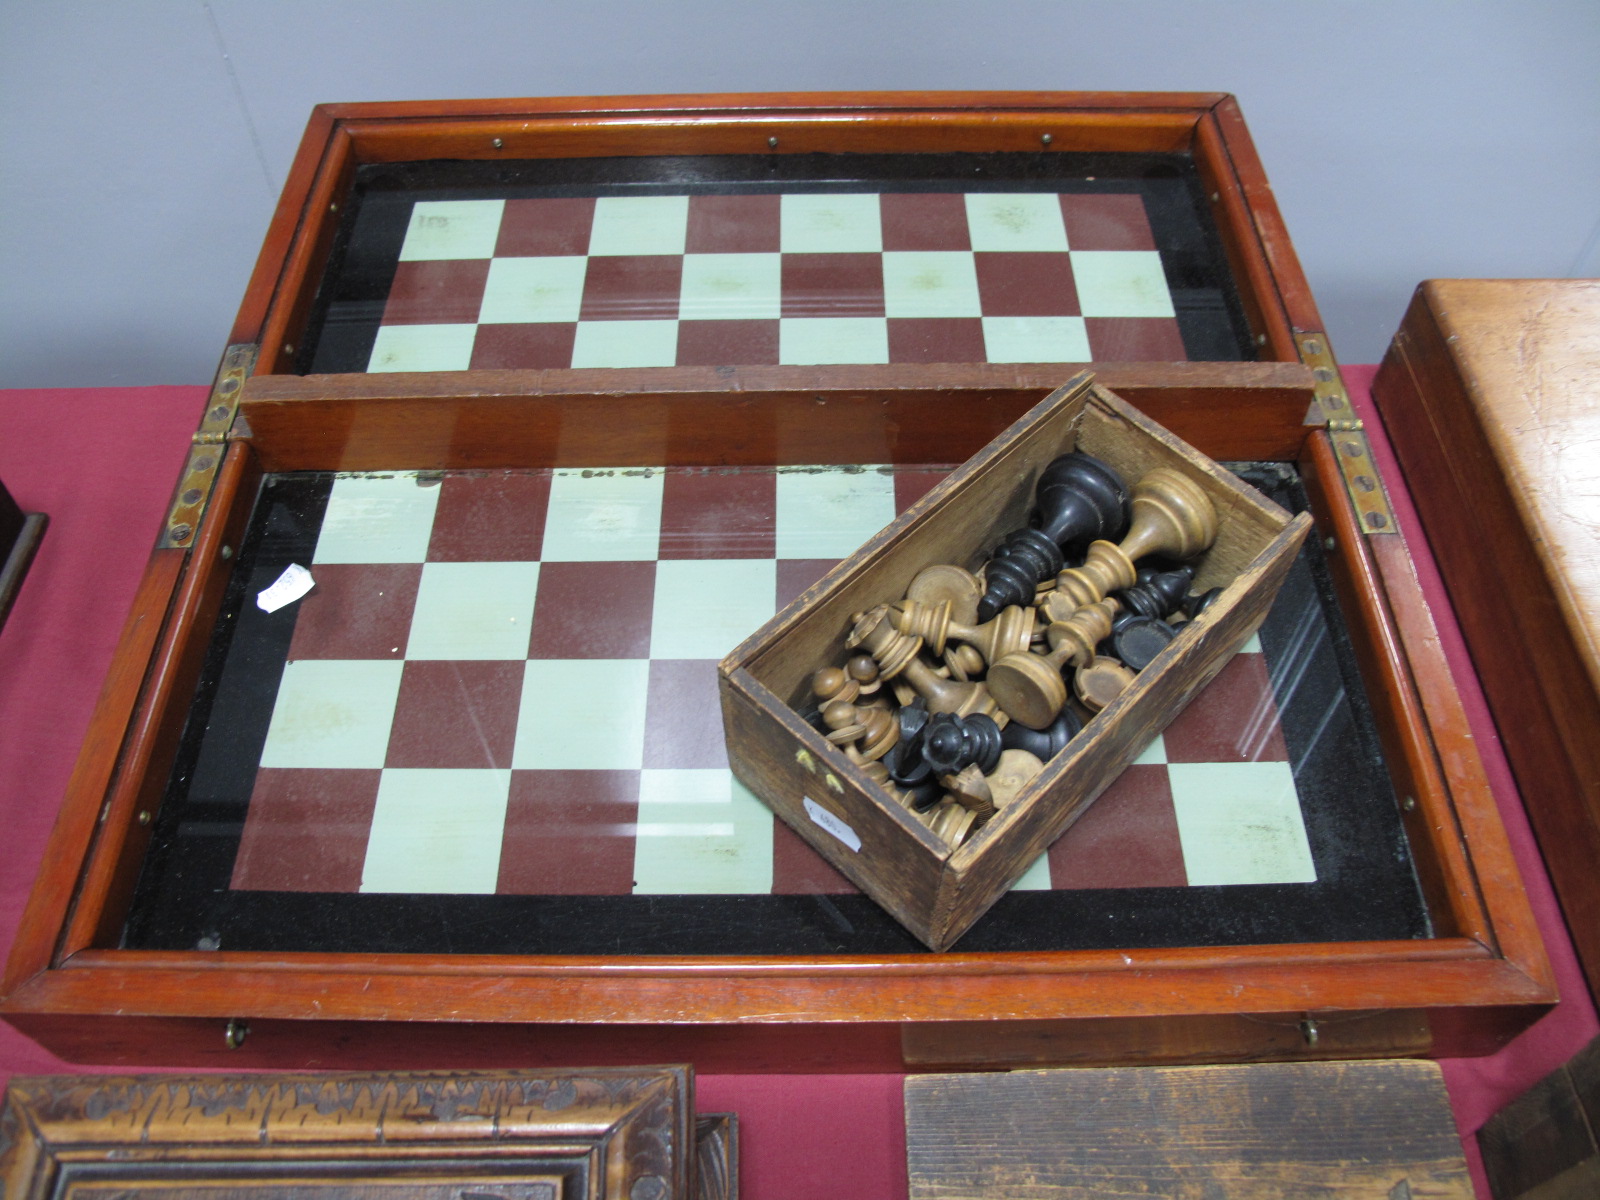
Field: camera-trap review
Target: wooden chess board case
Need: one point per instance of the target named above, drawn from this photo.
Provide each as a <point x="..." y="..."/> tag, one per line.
<point x="1476" y="978"/>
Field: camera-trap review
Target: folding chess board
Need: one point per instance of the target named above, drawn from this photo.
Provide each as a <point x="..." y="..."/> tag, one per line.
<point x="506" y="683"/>
<point x="753" y="279"/>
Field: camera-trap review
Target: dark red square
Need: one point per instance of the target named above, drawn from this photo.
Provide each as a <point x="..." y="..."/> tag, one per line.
<point x="306" y="831"/>
<point x="683" y="721"/>
<point x="936" y="340"/>
<point x="632" y="287"/>
<point x="1107" y="223"/>
<point x="539" y="228"/>
<point x="1135" y="339"/>
<point x="569" y="833"/>
<point x="734" y="225"/>
<point x="441" y="292"/>
<point x="798" y="870"/>
<point x="1234" y="720"/>
<point x="356" y="610"/>
<point x="525" y="346"/>
<point x="743" y="343"/>
<point x="1026" y="284"/>
<point x="795" y="575"/>
<point x="719" y="514"/>
<point x="593" y="610"/>
<point x="456" y="713"/>
<point x="911" y="486"/>
<point x="832" y="285"/>
<point x="1128" y="838"/>
<point x="925" y="221"/>
<point x="495" y="516"/>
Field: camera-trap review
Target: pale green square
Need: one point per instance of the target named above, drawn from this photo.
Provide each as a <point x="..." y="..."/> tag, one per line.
<point x="333" y="713"/>
<point x="377" y="519"/>
<point x="1016" y="221"/>
<point x="731" y="287"/>
<point x="452" y="229"/>
<point x="474" y="610"/>
<point x="625" y="344"/>
<point x="1036" y="878"/>
<point x="699" y="832"/>
<point x="603" y="516"/>
<point x="706" y="607"/>
<point x="930" y="283"/>
<point x="1036" y="339"/>
<point x="527" y="290"/>
<point x="639" y="225"/>
<point x="811" y="341"/>
<point x="810" y="224"/>
<point x="437" y="832"/>
<point x="1240" y="823"/>
<point x="422" y="348"/>
<point x="582" y="714"/>
<point x="1121" y="283"/>
<point x="1153" y="755"/>
<point x="828" y="512"/>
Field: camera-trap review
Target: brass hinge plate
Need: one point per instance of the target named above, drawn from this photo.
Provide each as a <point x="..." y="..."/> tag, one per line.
<point x="1330" y="408"/>
<point x="209" y="444"/>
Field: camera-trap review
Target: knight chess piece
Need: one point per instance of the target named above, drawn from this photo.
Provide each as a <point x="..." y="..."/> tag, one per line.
<point x="1029" y="687"/>
<point x="1079" y="499"/>
<point x="1015" y="771"/>
<point x="1172" y="516"/>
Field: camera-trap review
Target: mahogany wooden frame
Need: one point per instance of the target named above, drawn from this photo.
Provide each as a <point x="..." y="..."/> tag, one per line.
<point x="1482" y="978"/>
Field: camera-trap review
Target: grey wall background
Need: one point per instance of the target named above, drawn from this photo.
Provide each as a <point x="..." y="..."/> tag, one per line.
<point x="143" y="143"/>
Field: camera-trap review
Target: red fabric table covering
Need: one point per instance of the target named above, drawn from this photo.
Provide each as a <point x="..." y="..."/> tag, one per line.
<point x="106" y="488"/>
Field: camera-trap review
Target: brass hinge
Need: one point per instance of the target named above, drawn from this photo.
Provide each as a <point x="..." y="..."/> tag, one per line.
<point x="1330" y="408"/>
<point x="205" y="454"/>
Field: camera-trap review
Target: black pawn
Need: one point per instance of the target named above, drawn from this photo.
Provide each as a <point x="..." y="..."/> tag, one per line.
<point x="1158" y="595"/>
<point x="950" y="743"/>
<point x="1079" y="499"/>
<point x="1044" y="744"/>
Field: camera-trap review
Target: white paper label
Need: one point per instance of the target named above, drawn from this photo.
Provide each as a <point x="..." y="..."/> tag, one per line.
<point x="832" y="824"/>
<point x="295" y="582"/>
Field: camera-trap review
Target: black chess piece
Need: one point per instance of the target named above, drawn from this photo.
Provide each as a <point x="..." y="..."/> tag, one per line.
<point x="1079" y="499"/>
<point x="1044" y="744"/>
<point x="1158" y="594"/>
<point x="951" y="743"/>
<point x="1193" y="606"/>
<point x="1137" y="639"/>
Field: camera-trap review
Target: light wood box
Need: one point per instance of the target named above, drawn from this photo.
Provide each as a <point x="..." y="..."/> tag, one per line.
<point x="935" y="893"/>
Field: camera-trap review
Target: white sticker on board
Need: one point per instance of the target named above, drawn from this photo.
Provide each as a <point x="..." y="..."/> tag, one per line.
<point x="295" y="582"/>
<point x="832" y="824"/>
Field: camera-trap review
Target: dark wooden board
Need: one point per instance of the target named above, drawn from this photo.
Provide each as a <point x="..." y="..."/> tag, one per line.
<point x="1345" y="1129"/>
<point x="1542" y="1145"/>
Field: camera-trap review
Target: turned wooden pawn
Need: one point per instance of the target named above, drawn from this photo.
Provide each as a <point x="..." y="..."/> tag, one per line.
<point x="1029" y="687"/>
<point x="1172" y="516"/>
<point x="1008" y="633"/>
<point x="872" y="731"/>
<point x="896" y="656"/>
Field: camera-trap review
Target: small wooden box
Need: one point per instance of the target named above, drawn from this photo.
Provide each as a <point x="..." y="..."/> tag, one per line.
<point x="933" y="891"/>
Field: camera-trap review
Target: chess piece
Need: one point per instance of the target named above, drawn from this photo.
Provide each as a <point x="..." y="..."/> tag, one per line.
<point x="951" y="743"/>
<point x="1157" y="594"/>
<point x="1079" y="498"/>
<point x="1136" y="640"/>
<point x="1100" y="681"/>
<point x="1193" y="606"/>
<point x="950" y="822"/>
<point x="1029" y="687"/>
<point x="896" y="656"/>
<point x="833" y="683"/>
<point x="1009" y="632"/>
<point x="1172" y="515"/>
<point x="1044" y="744"/>
<point x="970" y="790"/>
<point x="1015" y="771"/>
<point x="864" y="672"/>
<point x="872" y="731"/>
<point x="957" y="585"/>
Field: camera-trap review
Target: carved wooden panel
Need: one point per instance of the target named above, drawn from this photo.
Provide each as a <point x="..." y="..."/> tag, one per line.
<point x="432" y="1136"/>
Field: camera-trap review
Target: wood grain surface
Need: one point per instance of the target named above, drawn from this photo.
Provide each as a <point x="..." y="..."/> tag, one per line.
<point x="1491" y="394"/>
<point x="1542" y="1146"/>
<point x="1350" y="1130"/>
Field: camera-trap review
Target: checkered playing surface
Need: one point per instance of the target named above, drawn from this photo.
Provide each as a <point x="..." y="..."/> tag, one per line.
<point x="654" y="281"/>
<point x="507" y="683"/>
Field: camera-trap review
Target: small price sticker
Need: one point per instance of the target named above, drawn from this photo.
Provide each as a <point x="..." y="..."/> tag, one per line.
<point x="832" y="824"/>
<point x="295" y="582"/>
